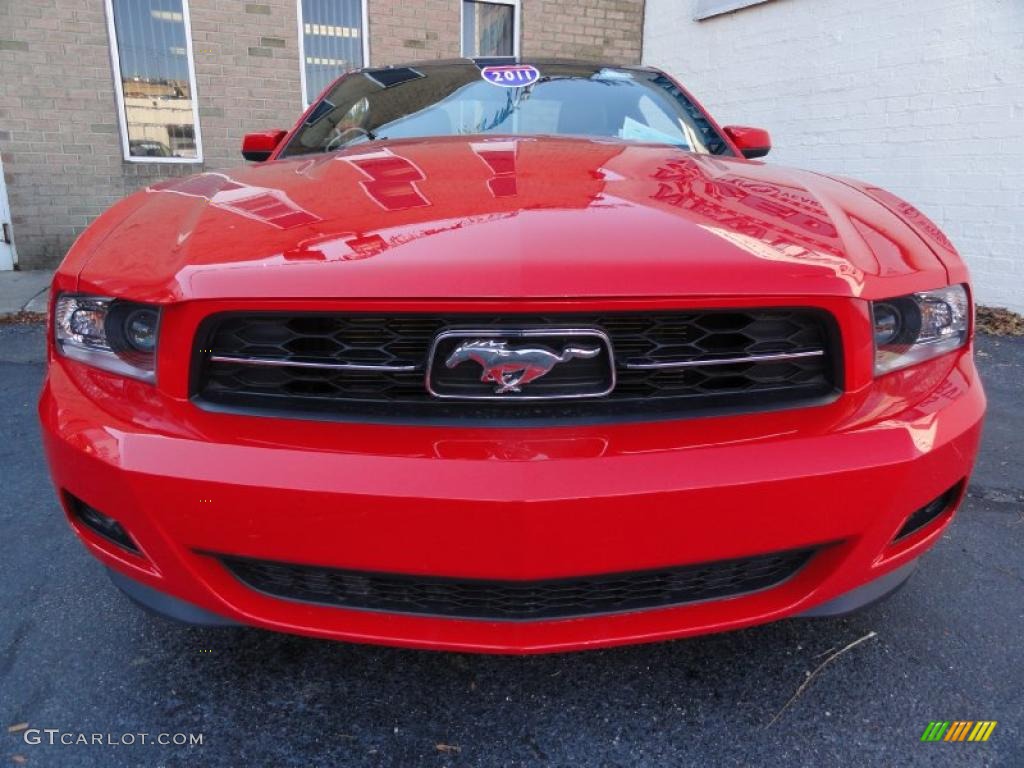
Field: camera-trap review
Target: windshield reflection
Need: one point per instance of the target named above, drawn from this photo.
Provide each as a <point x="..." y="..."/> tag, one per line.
<point x="453" y="99"/>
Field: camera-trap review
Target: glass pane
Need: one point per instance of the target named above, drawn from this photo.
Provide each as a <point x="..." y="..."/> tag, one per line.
<point x="158" y="93"/>
<point x="452" y="99"/>
<point x="332" y="39"/>
<point x="487" y="29"/>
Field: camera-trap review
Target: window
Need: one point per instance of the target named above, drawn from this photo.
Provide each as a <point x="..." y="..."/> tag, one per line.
<point x="154" y="80"/>
<point x="490" y="28"/>
<point x="452" y="99"/>
<point x="332" y="41"/>
<point x="709" y="8"/>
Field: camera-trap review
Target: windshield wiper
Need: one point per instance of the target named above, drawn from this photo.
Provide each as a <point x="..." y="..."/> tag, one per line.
<point x="364" y="134"/>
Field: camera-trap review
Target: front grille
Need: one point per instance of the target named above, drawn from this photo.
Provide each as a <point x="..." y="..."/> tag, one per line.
<point x="517" y="600"/>
<point x="372" y="367"/>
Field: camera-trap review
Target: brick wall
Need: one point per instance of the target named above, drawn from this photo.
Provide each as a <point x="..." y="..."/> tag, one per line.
<point x="603" y="30"/>
<point x="598" y="30"/>
<point x="59" y="134"/>
<point x="924" y="97"/>
<point x="58" y="131"/>
<point x="413" y="30"/>
<point x="247" y="72"/>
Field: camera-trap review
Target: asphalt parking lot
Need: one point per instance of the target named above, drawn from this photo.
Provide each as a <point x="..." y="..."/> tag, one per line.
<point x="77" y="656"/>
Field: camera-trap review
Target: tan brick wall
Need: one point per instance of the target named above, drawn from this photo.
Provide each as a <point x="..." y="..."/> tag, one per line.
<point x="413" y="30"/>
<point x="247" y="72"/>
<point x="603" y="30"/>
<point x="59" y="135"/>
<point x="597" y="30"/>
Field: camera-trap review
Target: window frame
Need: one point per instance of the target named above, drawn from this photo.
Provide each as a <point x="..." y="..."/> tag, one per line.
<point x="364" y="23"/>
<point x="517" y="23"/>
<point x="122" y="113"/>
<point x="706" y="9"/>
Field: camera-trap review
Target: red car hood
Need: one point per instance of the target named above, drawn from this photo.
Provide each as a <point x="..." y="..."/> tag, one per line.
<point x="504" y="218"/>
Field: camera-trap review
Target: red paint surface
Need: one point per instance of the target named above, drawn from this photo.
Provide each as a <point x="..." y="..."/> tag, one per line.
<point x="545" y="224"/>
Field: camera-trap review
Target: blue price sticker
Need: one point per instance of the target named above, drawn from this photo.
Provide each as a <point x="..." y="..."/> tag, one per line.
<point x="511" y="75"/>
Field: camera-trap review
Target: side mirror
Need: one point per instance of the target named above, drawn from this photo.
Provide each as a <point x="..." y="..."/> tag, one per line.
<point x="259" y="146"/>
<point x="752" y="142"/>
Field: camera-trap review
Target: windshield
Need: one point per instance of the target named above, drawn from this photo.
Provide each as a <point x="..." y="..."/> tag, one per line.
<point x="462" y="98"/>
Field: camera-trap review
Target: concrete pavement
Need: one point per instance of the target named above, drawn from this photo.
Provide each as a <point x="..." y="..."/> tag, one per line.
<point x="78" y="656"/>
<point x="24" y="291"/>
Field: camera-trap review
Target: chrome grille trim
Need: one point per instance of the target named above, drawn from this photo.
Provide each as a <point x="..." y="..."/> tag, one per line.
<point x="722" y="361"/>
<point x="269" y="361"/>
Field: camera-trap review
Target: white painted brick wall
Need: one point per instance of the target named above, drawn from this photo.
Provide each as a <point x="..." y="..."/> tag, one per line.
<point x="923" y="97"/>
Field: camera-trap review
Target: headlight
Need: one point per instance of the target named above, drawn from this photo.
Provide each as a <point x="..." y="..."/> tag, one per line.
<point x="118" y="336"/>
<point x="918" y="327"/>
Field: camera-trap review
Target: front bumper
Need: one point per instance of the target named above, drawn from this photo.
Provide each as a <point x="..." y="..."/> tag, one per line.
<point x="512" y="504"/>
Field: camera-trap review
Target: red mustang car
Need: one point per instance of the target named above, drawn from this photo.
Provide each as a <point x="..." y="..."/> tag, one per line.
<point x="510" y="357"/>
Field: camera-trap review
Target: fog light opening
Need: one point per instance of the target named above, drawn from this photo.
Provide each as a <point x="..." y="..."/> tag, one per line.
<point x="101" y="524"/>
<point x="930" y="512"/>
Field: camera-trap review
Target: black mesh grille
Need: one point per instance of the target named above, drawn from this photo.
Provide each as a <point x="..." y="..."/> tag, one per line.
<point x="405" y="340"/>
<point x="517" y="600"/>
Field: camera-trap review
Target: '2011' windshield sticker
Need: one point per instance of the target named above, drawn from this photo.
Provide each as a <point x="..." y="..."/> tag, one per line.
<point x="511" y="75"/>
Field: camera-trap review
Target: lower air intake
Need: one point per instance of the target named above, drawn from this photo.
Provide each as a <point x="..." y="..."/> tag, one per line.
<point x="930" y="511"/>
<point x="517" y="600"/>
<point x="100" y="524"/>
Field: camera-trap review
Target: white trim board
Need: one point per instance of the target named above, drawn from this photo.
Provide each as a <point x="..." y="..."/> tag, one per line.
<point x="8" y="253"/>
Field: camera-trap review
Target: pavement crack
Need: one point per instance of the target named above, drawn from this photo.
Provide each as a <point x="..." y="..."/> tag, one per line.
<point x="811" y="675"/>
<point x="10" y="653"/>
<point x="996" y="495"/>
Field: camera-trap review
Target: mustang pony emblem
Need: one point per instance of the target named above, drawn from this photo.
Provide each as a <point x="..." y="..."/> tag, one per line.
<point x="510" y="369"/>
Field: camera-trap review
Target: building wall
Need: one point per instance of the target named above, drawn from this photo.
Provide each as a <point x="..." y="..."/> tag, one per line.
<point x="247" y="72"/>
<point x="59" y="133"/>
<point x="412" y="30"/>
<point x="924" y="97"/>
<point x="601" y="30"/>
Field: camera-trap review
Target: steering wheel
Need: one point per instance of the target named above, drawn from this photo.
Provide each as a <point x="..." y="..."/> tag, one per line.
<point x="340" y="140"/>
